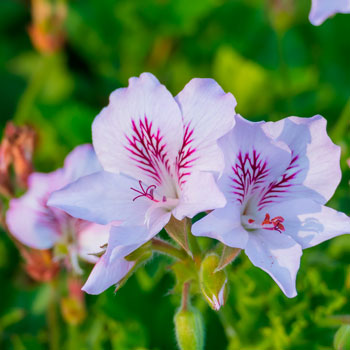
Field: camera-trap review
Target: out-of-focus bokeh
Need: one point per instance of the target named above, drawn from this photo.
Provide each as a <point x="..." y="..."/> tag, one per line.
<point x="60" y="60"/>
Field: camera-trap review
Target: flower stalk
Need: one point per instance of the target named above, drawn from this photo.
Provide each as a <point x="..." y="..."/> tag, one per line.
<point x="165" y="248"/>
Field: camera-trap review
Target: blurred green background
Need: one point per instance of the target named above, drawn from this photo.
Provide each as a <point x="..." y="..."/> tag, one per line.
<point x="275" y="63"/>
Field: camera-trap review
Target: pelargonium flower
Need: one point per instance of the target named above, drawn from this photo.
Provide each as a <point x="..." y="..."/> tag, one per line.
<point x="158" y="154"/>
<point x="277" y="178"/>
<point x="38" y="226"/>
<point x="322" y="9"/>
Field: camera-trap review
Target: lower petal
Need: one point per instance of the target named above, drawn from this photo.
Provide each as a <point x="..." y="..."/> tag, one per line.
<point x="91" y="239"/>
<point x="224" y="225"/>
<point x="278" y="255"/>
<point x="106" y="273"/>
<point x="112" y="266"/>
<point x="310" y="223"/>
<point x="199" y="193"/>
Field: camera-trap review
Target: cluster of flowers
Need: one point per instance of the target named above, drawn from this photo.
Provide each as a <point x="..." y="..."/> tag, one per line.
<point x="161" y="159"/>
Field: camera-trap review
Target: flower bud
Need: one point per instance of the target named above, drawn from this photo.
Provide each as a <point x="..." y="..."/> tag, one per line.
<point x="39" y="264"/>
<point x="213" y="283"/>
<point x="189" y="329"/>
<point x="342" y="338"/>
<point x="73" y="311"/>
<point x="16" y="151"/>
<point x="73" y="307"/>
<point x="47" y="29"/>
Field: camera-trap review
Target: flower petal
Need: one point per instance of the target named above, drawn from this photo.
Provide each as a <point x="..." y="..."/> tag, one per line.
<point x="315" y="167"/>
<point x="106" y="273"/>
<point x="278" y="255"/>
<point x="102" y="198"/>
<point x="80" y="162"/>
<point x="29" y="219"/>
<point x="140" y="132"/>
<point x="322" y="9"/>
<point x="90" y="240"/>
<point x="224" y="225"/>
<point x="199" y="193"/>
<point x="112" y="266"/>
<point x="208" y="113"/>
<point x="310" y="223"/>
<point x="253" y="160"/>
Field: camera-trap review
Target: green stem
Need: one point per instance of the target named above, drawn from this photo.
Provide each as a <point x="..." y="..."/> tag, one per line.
<point x="168" y="249"/>
<point x="283" y="67"/>
<point x="73" y="342"/>
<point x="52" y="318"/>
<point x="26" y="102"/>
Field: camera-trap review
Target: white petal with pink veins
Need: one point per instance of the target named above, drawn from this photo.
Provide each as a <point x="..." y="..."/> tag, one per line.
<point x="315" y="171"/>
<point x="208" y="113"/>
<point x="140" y="132"/>
<point x="253" y="160"/>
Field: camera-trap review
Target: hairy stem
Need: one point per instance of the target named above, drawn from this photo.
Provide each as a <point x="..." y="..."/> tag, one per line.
<point x="168" y="249"/>
<point x="52" y="319"/>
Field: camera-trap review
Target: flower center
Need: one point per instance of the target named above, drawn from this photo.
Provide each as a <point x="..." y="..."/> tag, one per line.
<point x="274" y="224"/>
<point x="147" y="192"/>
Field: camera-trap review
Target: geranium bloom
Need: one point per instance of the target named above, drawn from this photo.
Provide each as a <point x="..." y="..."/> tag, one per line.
<point x="277" y="178"/>
<point x="322" y="9"/>
<point x="38" y="226"/>
<point x="157" y="153"/>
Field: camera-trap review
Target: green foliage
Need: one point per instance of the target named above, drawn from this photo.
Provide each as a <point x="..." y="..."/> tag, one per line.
<point x="275" y="64"/>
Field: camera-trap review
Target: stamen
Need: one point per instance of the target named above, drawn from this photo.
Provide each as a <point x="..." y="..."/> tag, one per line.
<point x="148" y="192"/>
<point x="275" y="224"/>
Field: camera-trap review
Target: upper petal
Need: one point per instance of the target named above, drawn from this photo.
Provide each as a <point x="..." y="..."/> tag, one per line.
<point x="310" y="223"/>
<point x="102" y="197"/>
<point x="208" y="113"/>
<point x="253" y="160"/>
<point x="314" y="170"/>
<point x="80" y="162"/>
<point x="278" y="255"/>
<point x="224" y="225"/>
<point x="322" y="9"/>
<point x="140" y="132"/>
